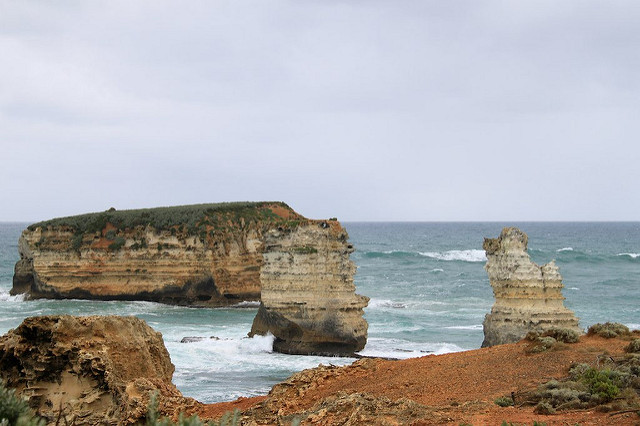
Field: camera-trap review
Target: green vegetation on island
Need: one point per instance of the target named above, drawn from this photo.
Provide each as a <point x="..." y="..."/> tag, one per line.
<point x="200" y="220"/>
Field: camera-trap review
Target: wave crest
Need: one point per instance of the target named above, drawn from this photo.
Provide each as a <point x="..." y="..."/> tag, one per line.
<point x="631" y="255"/>
<point x="6" y="297"/>
<point x="459" y="255"/>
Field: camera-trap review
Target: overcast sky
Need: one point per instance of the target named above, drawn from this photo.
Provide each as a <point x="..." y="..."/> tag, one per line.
<point x="364" y="110"/>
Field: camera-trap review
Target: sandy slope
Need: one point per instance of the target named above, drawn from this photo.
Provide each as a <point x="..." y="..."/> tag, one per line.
<point x="457" y="388"/>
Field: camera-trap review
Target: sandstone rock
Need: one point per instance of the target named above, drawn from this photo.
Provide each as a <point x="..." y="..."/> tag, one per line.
<point x="90" y="370"/>
<point x="308" y="296"/>
<point x="205" y="255"/>
<point x="528" y="296"/>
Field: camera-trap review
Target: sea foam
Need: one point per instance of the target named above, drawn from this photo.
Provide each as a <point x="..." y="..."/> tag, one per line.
<point x="6" y="297"/>
<point x="631" y="255"/>
<point x="459" y="255"/>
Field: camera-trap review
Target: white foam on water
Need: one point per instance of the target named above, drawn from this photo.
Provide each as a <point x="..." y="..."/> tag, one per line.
<point x="385" y="303"/>
<point x="465" y="327"/>
<point x="574" y="288"/>
<point x="564" y="249"/>
<point x="437" y="270"/>
<point x="402" y="349"/>
<point x="6" y="297"/>
<point x="247" y="304"/>
<point x="633" y="326"/>
<point x="459" y="255"/>
<point x="631" y="255"/>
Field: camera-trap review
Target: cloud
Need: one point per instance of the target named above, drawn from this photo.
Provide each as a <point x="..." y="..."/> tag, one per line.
<point x="364" y="110"/>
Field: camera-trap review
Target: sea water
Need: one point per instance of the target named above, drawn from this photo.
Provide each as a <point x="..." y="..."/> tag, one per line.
<point x="428" y="288"/>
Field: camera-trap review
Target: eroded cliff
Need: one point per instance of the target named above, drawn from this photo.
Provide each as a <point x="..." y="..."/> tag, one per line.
<point x="528" y="297"/>
<point x="308" y="296"/>
<point x="208" y="254"/>
<point x="90" y="370"/>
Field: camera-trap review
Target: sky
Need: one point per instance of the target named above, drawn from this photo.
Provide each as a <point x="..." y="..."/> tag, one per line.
<point x="362" y="110"/>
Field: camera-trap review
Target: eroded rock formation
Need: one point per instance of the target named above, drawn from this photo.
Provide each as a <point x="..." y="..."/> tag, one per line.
<point x="207" y="255"/>
<point x="308" y="296"/>
<point x="90" y="370"/>
<point x="528" y="297"/>
<point x="195" y="255"/>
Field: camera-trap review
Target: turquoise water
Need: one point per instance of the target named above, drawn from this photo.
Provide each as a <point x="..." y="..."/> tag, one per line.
<point x="429" y="294"/>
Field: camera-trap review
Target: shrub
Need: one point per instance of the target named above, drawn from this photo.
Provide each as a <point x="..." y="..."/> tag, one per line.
<point x="609" y="330"/>
<point x="564" y="335"/>
<point x="633" y="347"/>
<point x="154" y="419"/>
<point x="15" y="410"/>
<point x="544" y="408"/>
<point x="117" y="244"/>
<point x="504" y="401"/>
<point x="543" y="344"/>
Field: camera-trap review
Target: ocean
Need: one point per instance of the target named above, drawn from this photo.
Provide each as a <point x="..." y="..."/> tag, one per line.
<point x="428" y="288"/>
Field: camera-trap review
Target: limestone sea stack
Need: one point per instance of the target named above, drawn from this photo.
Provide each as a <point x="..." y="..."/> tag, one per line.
<point x="203" y="255"/>
<point x="308" y="296"/>
<point x="528" y="297"/>
<point x="90" y="370"/>
<point x="207" y="255"/>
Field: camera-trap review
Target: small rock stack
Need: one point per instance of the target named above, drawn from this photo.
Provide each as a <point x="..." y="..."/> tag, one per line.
<point x="528" y="296"/>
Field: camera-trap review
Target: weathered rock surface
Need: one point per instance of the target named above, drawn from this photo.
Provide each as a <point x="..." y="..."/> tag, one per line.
<point x="90" y="370"/>
<point x="207" y="255"/>
<point x="195" y="255"/>
<point x="528" y="297"/>
<point x="308" y="296"/>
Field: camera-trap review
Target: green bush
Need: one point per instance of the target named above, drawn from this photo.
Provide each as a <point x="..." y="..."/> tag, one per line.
<point x="154" y="419"/>
<point x="609" y="330"/>
<point x="633" y="347"/>
<point x="504" y="401"/>
<point x="544" y="408"/>
<point x="117" y="244"/>
<point x="15" y="410"/>
<point x="564" y="335"/>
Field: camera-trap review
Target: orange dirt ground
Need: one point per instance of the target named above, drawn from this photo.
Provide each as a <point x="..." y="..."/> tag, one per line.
<point x="457" y="388"/>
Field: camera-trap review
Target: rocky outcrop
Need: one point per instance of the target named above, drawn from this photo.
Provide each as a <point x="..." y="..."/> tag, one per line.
<point x="208" y="254"/>
<point x="308" y="296"/>
<point x="90" y="370"/>
<point x="528" y="296"/>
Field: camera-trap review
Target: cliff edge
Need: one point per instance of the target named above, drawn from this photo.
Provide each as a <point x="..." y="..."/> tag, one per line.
<point x="90" y="370"/>
<point x="528" y="297"/>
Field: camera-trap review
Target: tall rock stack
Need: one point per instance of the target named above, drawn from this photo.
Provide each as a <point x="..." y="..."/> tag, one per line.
<point x="528" y="296"/>
<point x="308" y="297"/>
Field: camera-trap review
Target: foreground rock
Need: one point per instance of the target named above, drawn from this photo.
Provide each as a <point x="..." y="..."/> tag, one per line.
<point x="528" y="296"/>
<point x="308" y="296"/>
<point x="90" y="370"/>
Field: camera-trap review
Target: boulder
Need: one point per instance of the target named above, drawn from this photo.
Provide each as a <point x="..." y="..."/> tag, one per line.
<point x="92" y="370"/>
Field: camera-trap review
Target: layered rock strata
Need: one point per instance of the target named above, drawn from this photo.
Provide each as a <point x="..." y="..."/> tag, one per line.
<point x="90" y="370"/>
<point x="308" y="296"/>
<point x="195" y="255"/>
<point x="207" y="255"/>
<point x="528" y="297"/>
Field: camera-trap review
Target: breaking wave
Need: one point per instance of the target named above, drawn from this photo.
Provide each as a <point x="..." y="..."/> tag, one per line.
<point x="6" y="297"/>
<point x="459" y="255"/>
<point x="565" y="249"/>
<point x="631" y="255"/>
<point x="385" y="303"/>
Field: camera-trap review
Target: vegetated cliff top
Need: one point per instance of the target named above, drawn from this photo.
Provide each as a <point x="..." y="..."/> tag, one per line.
<point x="190" y="218"/>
